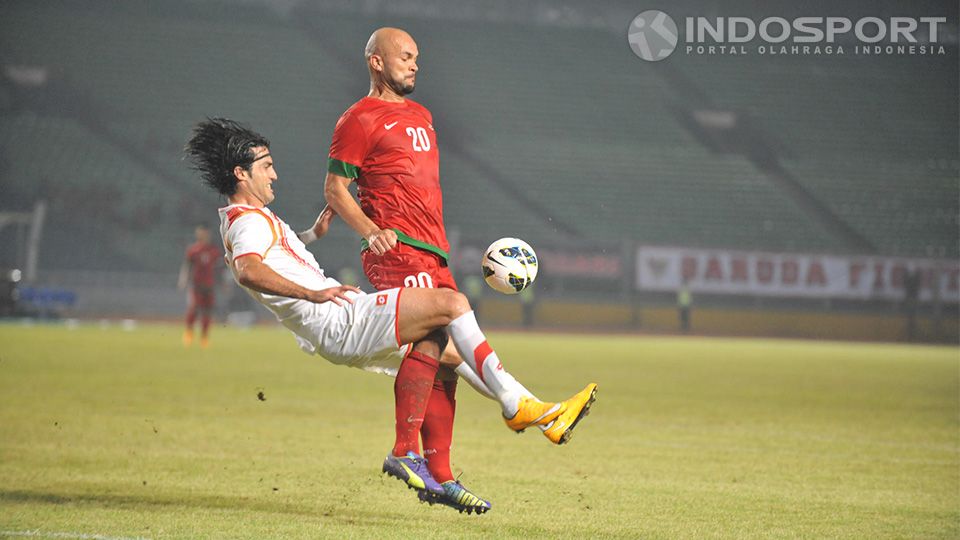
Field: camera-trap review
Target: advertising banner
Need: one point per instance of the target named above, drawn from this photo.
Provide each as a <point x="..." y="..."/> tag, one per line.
<point x="796" y="275"/>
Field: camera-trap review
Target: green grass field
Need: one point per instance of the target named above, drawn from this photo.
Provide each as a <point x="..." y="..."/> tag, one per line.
<point x="127" y="434"/>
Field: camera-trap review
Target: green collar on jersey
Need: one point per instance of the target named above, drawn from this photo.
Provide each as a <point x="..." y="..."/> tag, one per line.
<point x="410" y="241"/>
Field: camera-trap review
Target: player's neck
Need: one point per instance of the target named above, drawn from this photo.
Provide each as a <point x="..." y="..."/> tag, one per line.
<point x="384" y="93"/>
<point x="246" y="200"/>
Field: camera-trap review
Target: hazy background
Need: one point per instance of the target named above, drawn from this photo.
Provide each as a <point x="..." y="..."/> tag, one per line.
<point x="549" y="127"/>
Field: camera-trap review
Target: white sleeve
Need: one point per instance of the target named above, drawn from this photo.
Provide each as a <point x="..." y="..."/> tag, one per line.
<point x="251" y="233"/>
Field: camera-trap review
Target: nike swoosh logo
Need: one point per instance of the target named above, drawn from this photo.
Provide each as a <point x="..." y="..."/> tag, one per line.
<point x="430" y="126"/>
<point x="389" y="126"/>
<point x="494" y="260"/>
<point x="546" y="414"/>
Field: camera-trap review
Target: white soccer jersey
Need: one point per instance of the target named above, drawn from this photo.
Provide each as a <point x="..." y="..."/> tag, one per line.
<point x="247" y="230"/>
<point x="363" y="334"/>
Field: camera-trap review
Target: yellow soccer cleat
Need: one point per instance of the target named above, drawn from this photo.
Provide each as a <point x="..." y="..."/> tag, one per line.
<point x="533" y="412"/>
<point x="575" y="408"/>
<point x="187" y="338"/>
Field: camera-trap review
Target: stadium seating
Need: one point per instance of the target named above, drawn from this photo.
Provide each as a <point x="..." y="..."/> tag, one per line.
<point x="561" y="136"/>
<point x="100" y="200"/>
<point x="543" y="132"/>
<point x="883" y="161"/>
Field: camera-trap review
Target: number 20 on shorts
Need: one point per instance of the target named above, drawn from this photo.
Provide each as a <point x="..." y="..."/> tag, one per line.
<point x="422" y="280"/>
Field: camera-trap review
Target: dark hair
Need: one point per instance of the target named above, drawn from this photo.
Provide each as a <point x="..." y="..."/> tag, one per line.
<point x="217" y="146"/>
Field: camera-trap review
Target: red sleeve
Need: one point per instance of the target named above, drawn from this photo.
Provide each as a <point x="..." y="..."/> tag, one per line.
<point x="348" y="147"/>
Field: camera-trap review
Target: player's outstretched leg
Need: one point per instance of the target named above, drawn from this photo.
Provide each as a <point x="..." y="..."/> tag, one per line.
<point x="412" y="469"/>
<point x="559" y="419"/>
<point x="423" y="310"/>
<point x="459" y="498"/>
<point x="520" y="411"/>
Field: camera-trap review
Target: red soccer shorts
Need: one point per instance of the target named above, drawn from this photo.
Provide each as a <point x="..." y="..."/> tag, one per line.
<point x="405" y="266"/>
<point x="202" y="297"/>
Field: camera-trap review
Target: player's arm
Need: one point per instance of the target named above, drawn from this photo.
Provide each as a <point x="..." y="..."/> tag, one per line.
<point x="183" y="277"/>
<point x="338" y="196"/>
<point x="320" y="226"/>
<point x="254" y="274"/>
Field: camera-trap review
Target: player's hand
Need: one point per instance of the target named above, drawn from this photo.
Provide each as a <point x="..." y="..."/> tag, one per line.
<point x="337" y="295"/>
<point x="320" y="226"/>
<point x="382" y="241"/>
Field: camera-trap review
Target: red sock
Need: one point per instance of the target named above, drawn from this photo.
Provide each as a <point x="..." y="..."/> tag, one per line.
<point x="437" y="429"/>
<point x="412" y="392"/>
<point x="191" y="316"/>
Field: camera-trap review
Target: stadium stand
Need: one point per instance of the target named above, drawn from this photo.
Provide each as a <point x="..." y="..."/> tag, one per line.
<point x="594" y="149"/>
<point x="884" y="162"/>
<point x="96" y="207"/>
<point x="586" y="157"/>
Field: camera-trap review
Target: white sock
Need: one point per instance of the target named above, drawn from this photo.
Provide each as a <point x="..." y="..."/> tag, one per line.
<point x="471" y="343"/>
<point x="466" y="372"/>
<point x="523" y="389"/>
<point x="473" y="380"/>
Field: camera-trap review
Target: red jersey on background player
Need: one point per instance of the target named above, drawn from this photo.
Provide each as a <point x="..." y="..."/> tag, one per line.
<point x="200" y="269"/>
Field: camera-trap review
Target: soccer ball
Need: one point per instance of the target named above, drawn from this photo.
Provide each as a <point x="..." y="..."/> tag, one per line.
<point x="509" y="265"/>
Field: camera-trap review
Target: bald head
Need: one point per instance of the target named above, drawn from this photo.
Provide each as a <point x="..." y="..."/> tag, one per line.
<point x="387" y="40"/>
<point x="391" y="55"/>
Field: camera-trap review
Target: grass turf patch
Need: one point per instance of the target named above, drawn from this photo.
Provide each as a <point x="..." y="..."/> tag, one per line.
<point x="126" y="433"/>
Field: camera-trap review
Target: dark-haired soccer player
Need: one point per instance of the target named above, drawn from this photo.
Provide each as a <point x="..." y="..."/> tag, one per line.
<point x="387" y="143"/>
<point x="199" y="268"/>
<point x="339" y="322"/>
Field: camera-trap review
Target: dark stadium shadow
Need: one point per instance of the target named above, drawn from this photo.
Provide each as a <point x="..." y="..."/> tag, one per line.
<point x="346" y="514"/>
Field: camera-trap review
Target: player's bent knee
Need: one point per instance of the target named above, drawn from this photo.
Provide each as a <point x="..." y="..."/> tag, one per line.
<point x="455" y="304"/>
<point x="433" y="343"/>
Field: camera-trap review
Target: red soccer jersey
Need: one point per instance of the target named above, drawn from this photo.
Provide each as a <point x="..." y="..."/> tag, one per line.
<point x="203" y="260"/>
<point x="391" y="150"/>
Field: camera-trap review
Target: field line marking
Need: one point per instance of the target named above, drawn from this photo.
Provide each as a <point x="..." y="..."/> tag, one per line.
<point x="76" y="536"/>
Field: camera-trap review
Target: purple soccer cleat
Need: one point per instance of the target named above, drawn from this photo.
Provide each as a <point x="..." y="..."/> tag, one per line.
<point x="412" y="469"/>
<point x="459" y="498"/>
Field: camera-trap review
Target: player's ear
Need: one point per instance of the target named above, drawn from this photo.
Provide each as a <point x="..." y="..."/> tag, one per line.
<point x="376" y="62"/>
<point x="240" y="173"/>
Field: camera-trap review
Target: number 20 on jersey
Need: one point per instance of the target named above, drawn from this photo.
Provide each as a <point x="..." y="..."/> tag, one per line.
<point x="421" y="142"/>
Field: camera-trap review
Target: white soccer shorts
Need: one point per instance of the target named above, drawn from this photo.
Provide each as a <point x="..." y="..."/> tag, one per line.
<point x="364" y="334"/>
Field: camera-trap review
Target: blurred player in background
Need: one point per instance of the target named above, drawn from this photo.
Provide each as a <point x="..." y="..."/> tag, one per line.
<point x="339" y="322"/>
<point x="388" y="145"/>
<point x="199" y="271"/>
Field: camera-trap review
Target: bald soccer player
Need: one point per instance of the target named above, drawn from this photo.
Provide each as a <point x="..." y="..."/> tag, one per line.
<point x="387" y="144"/>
